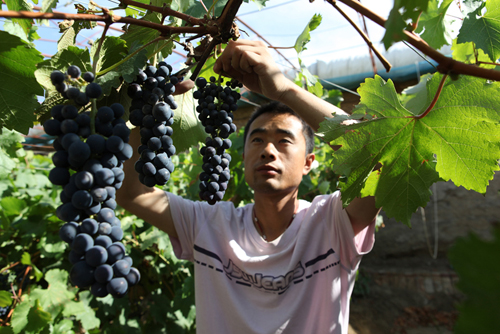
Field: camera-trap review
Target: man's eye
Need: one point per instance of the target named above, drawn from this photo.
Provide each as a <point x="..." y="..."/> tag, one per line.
<point x="285" y="141"/>
<point x="258" y="140"/>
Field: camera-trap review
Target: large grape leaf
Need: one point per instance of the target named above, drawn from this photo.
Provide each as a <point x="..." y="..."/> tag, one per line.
<point x="435" y="25"/>
<point x="18" y="87"/>
<point x="483" y="30"/>
<point x="457" y="140"/>
<point x="476" y="263"/>
<point x="188" y="131"/>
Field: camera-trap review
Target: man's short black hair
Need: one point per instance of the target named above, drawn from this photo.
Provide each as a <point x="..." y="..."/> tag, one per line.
<point x="280" y="108"/>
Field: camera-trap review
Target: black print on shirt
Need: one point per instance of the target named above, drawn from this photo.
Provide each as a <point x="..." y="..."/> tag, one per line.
<point x="273" y="284"/>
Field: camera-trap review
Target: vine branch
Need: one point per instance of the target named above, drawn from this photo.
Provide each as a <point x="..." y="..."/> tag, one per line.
<point x="445" y="64"/>
<point x="164" y="29"/>
<point x="434" y="100"/>
<point x="379" y="55"/>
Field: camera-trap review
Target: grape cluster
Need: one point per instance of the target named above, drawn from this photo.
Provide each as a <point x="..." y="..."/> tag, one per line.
<point x="215" y="107"/>
<point x="89" y="167"/>
<point x="152" y="110"/>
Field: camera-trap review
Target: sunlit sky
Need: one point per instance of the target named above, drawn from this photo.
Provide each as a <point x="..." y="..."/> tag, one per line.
<point x="280" y="22"/>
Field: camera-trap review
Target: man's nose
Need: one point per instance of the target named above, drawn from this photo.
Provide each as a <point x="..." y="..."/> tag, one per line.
<point x="268" y="152"/>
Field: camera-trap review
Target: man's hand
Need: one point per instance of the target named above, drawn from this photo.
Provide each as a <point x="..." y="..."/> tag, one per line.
<point x="250" y="63"/>
<point x="183" y="86"/>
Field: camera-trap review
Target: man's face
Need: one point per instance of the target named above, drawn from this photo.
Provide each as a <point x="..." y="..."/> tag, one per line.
<point x="275" y="154"/>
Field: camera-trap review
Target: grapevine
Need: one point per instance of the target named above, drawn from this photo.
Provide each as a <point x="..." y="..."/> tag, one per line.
<point x="88" y="165"/>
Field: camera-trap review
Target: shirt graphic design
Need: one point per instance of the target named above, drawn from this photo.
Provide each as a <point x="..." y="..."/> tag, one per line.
<point x="268" y="283"/>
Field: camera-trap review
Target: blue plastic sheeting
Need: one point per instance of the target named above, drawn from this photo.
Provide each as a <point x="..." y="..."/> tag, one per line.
<point x="397" y="74"/>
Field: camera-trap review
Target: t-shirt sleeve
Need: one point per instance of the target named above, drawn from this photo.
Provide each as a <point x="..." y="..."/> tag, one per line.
<point x="195" y="219"/>
<point x="350" y="247"/>
<point x="187" y="221"/>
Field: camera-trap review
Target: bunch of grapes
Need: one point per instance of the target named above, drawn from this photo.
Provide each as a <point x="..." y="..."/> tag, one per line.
<point x="89" y="167"/>
<point x="215" y="107"/>
<point x="152" y="110"/>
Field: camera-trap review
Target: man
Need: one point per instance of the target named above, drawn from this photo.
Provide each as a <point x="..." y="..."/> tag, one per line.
<point x="279" y="265"/>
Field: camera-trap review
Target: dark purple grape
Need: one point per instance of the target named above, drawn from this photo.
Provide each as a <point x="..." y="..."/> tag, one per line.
<point x="82" y="275"/>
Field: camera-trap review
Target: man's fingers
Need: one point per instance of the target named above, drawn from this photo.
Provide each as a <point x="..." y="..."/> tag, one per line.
<point x="183" y="86"/>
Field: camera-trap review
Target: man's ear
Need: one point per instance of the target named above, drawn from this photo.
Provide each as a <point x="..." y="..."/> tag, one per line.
<point x="309" y="161"/>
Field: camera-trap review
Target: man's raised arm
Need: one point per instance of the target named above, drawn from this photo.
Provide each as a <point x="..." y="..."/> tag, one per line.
<point x="149" y="204"/>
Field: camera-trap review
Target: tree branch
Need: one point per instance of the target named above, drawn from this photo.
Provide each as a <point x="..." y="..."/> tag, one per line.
<point x="115" y="18"/>
<point x="382" y="59"/>
<point x="445" y="64"/>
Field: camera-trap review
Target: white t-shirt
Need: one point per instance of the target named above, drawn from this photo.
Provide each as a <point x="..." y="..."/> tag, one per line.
<point x="299" y="283"/>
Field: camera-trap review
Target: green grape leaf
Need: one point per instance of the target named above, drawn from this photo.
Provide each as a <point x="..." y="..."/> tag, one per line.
<point x="20" y="316"/>
<point x="402" y="14"/>
<point x="12" y="206"/>
<point x="68" y="38"/>
<point x="15" y="29"/>
<point x="259" y="3"/>
<point x="21" y="5"/>
<point x="113" y="50"/>
<point x="139" y="36"/>
<point x="197" y="10"/>
<point x="83" y="312"/>
<point x="64" y="326"/>
<point x="38" y="318"/>
<point x="48" y="5"/>
<point x="54" y="298"/>
<point x="18" y="86"/>
<point x="435" y="25"/>
<point x="188" y="131"/>
<point x="476" y="264"/>
<point x="43" y="111"/>
<point x="457" y="140"/>
<point x="128" y="70"/>
<point x="305" y="35"/>
<point x="61" y="61"/>
<point x="465" y="52"/>
<point x="483" y="30"/>
<point x="5" y="298"/>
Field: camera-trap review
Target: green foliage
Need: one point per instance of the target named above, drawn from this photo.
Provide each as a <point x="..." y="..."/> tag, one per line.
<point x="458" y="140"/>
<point x="304" y="77"/>
<point x="403" y="14"/>
<point x="483" y="30"/>
<point x="17" y="94"/>
<point x="476" y="263"/>
<point x="434" y="26"/>
<point x="35" y="259"/>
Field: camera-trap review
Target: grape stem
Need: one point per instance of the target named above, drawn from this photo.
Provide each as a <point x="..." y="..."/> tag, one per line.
<point x="93" y="113"/>
<point x="434" y="100"/>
